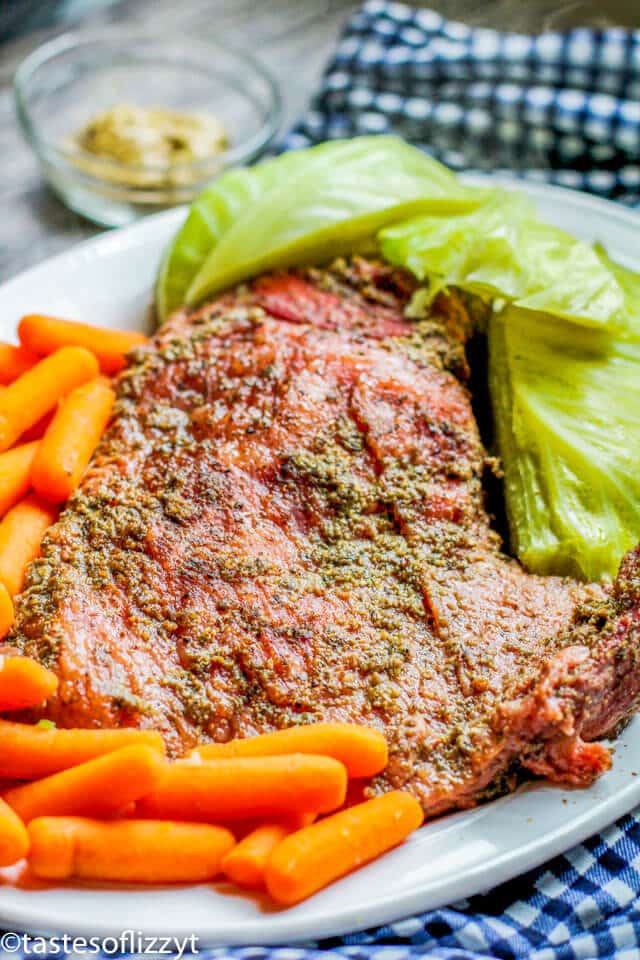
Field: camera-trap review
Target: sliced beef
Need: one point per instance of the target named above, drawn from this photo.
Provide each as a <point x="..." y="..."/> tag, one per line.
<point x="286" y="522"/>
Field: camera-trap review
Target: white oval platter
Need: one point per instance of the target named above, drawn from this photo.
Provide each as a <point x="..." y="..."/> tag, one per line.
<point x="109" y="281"/>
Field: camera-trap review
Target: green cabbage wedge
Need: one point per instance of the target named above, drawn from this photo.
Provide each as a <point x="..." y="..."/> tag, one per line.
<point x="566" y="404"/>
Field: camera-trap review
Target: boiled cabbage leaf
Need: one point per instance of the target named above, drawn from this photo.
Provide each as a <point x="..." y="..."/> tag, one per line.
<point x="566" y="405"/>
<point x="304" y="206"/>
<point x="502" y="250"/>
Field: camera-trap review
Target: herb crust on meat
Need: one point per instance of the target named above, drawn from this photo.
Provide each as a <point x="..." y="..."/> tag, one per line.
<point x="286" y="522"/>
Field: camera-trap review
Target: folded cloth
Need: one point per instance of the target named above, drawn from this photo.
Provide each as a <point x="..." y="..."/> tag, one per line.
<point x="559" y="107"/>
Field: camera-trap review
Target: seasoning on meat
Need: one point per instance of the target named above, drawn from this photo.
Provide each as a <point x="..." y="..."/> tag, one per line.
<point x="286" y="523"/>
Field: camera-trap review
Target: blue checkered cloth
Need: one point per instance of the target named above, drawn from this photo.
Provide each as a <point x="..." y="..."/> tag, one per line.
<point x="562" y="108"/>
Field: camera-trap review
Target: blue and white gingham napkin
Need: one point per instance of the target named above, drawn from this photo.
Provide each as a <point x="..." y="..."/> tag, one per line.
<point x="563" y="108"/>
<point x="560" y="107"/>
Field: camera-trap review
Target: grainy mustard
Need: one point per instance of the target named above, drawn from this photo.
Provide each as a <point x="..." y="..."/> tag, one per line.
<point x="158" y="141"/>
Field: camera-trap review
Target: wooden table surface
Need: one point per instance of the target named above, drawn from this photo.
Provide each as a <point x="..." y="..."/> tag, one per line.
<point x="293" y="37"/>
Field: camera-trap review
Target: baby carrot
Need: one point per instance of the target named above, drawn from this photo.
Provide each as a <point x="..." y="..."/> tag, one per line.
<point x="228" y="790"/>
<point x="245" y="864"/>
<point x="14" y="361"/>
<point x="24" y="683"/>
<point x="70" y="439"/>
<point x="14" y="839"/>
<point x="15" y="473"/>
<point x="97" y="788"/>
<point x="28" y="752"/>
<point x="44" y="335"/>
<point x="38" y="390"/>
<point x="7" y="614"/>
<point x="308" y="860"/>
<point x="126" y="851"/>
<point x="361" y="749"/>
<point x="21" y="532"/>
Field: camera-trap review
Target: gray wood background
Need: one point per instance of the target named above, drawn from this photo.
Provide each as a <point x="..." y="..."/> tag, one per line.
<point x="293" y="37"/>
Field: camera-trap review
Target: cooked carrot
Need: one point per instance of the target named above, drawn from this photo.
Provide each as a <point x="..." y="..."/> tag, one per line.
<point x="15" y="473"/>
<point x="28" y="752"/>
<point x="14" y="361"/>
<point x="7" y="614"/>
<point x="24" y="683"/>
<point x="227" y="790"/>
<point x="71" y="438"/>
<point x="44" y="335"/>
<point x="21" y="532"/>
<point x="126" y="851"/>
<point x="97" y="788"/>
<point x="38" y="390"/>
<point x="361" y="749"/>
<point x="308" y="860"/>
<point x="245" y="864"/>
<point x="14" y="839"/>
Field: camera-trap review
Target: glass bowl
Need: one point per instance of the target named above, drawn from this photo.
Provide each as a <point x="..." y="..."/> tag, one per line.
<point x="66" y="82"/>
